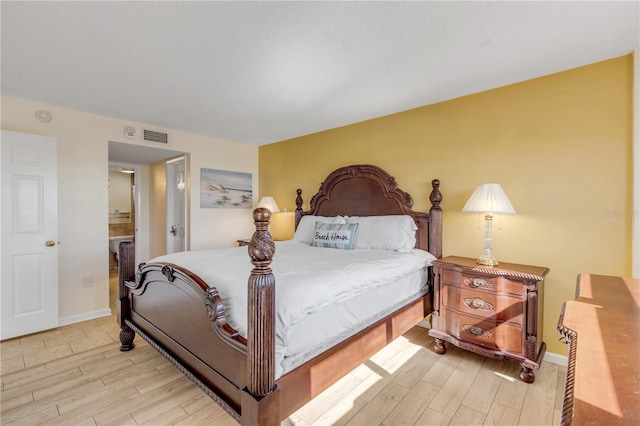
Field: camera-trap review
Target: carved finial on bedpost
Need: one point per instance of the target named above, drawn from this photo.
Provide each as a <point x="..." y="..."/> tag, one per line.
<point x="435" y="219"/>
<point x="261" y="246"/>
<point x="261" y="399"/>
<point x="298" y="207"/>
<point x="435" y="197"/>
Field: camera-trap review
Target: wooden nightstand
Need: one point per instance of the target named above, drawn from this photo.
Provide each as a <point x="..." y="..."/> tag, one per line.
<point x="492" y="311"/>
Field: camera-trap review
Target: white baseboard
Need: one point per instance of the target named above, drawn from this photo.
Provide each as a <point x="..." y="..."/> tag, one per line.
<point x="425" y="323"/>
<point x="556" y="358"/>
<point x="72" y="319"/>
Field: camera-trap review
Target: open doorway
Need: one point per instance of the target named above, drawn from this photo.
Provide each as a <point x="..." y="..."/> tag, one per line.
<point x="147" y="209"/>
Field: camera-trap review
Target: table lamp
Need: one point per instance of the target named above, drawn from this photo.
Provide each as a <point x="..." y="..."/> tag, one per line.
<point x="490" y="199"/>
<point x="269" y="203"/>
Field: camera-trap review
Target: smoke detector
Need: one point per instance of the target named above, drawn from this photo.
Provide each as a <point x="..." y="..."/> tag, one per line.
<point x="129" y="132"/>
<point x="44" y="116"/>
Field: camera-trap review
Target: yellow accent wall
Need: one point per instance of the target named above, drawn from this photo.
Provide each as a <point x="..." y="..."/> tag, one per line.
<point x="560" y="146"/>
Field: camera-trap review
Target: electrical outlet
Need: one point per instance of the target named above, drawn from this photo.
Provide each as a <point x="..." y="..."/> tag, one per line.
<point x="87" y="281"/>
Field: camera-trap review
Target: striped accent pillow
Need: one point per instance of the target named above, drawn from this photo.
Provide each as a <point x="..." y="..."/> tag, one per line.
<point x="334" y="235"/>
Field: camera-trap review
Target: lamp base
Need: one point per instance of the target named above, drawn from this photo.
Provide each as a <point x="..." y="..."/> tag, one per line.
<point x="487" y="260"/>
<point x="487" y="257"/>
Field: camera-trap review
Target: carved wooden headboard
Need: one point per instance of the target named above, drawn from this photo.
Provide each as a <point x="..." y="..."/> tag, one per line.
<point x="366" y="190"/>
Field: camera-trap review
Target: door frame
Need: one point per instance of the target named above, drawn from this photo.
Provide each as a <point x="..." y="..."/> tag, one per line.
<point x="173" y="194"/>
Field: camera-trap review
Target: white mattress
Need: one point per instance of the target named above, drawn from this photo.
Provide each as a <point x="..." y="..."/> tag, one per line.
<point x="309" y="281"/>
<point x="322" y="330"/>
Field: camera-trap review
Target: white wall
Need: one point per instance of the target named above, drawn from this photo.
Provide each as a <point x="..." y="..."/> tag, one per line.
<point x="83" y="198"/>
<point x="119" y="192"/>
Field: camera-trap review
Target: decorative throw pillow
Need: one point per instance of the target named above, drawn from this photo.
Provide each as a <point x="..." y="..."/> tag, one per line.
<point x="334" y="235"/>
<point x="306" y="227"/>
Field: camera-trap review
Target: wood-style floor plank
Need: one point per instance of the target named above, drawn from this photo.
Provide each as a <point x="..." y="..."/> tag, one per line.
<point x="456" y="387"/>
<point x="411" y="407"/>
<point x="502" y="415"/>
<point x="467" y="416"/>
<point x="539" y="399"/>
<point x="77" y="375"/>
<point x="380" y="406"/>
<point x="485" y="386"/>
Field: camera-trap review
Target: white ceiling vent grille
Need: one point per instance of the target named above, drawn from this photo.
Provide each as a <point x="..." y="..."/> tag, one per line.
<point x="152" y="136"/>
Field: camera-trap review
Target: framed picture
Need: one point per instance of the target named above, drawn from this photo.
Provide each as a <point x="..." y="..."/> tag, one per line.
<point x="222" y="189"/>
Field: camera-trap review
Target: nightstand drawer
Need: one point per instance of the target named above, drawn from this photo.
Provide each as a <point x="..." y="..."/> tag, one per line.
<point x="484" y="304"/>
<point x="493" y="284"/>
<point x="490" y="334"/>
<point x="489" y="305"/>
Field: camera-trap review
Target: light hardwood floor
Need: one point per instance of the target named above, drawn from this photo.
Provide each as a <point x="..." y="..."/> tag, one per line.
<point x="76" y="375"/>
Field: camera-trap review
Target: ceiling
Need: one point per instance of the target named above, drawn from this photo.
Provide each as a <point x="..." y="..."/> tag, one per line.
<point x="261" y="72"/>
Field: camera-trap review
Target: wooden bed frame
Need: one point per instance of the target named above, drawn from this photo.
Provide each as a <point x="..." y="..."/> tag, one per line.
<point x="183" y="317"/>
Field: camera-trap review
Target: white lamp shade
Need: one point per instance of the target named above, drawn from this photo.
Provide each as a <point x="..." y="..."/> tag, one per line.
<point x="489" y="198"/>
<point x="269" y="203"/>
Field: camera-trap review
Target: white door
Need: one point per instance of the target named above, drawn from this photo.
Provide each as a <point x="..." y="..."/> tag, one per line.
<point x="176" y="205"/>
<point x="29" y="248"/>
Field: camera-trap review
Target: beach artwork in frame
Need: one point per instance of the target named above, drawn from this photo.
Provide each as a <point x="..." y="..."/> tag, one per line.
<point x="222" y="189"/>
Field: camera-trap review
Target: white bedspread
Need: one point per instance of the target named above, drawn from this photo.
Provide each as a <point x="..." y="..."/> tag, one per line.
<point x="308" y="279"/>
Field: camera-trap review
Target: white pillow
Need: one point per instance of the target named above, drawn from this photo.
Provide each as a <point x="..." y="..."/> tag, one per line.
<point x="394" y="232"/>
<point x="333" y="235"/>
<point x="307" y="226"/>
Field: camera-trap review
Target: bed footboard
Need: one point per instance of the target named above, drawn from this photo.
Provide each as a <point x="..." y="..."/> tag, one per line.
<point x="183" y="318"/>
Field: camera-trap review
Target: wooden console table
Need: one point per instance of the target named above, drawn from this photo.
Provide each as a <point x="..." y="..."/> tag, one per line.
<point x="602" y="327"/>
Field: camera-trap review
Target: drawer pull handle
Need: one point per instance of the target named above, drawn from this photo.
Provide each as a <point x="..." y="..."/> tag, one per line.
<point x="478" y="283"/>
<point x="477" y="303"/>
<point x="477" y="330"/>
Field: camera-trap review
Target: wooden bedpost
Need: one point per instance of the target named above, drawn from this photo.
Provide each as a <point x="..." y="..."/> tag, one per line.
<point x="261" y="397"/>
<point x="126" y="272"/>
<point x="435" y="220"/>
<point x="298" y="207"/>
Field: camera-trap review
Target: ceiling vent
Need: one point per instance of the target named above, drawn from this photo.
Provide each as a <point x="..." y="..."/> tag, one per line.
<point x="152" y="136"/>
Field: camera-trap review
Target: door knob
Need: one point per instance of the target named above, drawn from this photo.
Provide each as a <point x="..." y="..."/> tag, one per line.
<point x="174" y="229"/>
<point x="50" y="243"/>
